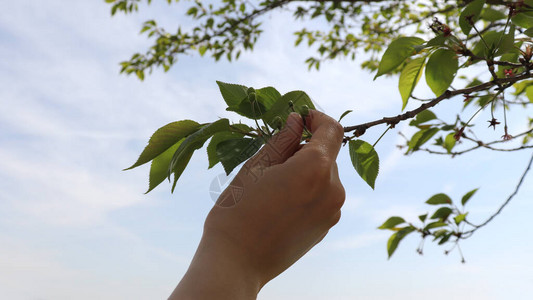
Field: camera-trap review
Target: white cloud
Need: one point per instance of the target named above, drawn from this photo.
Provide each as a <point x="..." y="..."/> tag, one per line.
<point x="58" y="194"/>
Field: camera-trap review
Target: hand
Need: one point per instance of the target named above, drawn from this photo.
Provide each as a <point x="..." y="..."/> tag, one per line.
<point x="281" y="203"/>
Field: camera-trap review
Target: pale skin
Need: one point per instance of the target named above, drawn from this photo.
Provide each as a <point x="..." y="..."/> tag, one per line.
<point x="287" y="197"/>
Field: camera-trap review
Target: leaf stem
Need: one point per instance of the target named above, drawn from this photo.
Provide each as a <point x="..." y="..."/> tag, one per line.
<point x="238" y="130"/>
<point x="373" y="146"/>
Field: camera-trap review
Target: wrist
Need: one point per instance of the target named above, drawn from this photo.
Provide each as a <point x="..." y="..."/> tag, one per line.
<point x="218" y="271"/>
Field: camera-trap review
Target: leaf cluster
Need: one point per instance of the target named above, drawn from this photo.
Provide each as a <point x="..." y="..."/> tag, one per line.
<point x="171" y="147"/>
<point x="445" y="225"/>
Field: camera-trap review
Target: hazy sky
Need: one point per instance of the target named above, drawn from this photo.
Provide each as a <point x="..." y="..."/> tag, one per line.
<point x="73" y="225"/>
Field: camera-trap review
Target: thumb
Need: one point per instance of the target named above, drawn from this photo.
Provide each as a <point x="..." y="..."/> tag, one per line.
<point x="281" y="146"/>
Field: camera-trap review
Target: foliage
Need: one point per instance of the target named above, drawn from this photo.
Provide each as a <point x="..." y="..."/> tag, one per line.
<point x="171" y="147"/>
<point x="440" y="41"/>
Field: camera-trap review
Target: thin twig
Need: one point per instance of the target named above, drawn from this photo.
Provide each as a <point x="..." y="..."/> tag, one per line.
<point x="506" y="201"/>
<point x="481" y="144"/>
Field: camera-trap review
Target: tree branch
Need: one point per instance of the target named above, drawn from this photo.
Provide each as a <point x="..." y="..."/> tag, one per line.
<point x="392" y="121"/>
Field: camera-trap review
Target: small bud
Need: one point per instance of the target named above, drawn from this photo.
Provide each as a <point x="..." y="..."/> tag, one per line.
<point x="277" y="123"/>
<point x="250" y="90"/>
<point x="251" y="97"/>
<point x="291" y="104"/>
<point x="304" y="110"/>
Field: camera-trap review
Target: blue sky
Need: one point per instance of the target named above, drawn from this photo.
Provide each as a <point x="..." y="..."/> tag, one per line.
<point x="72" y="224"/>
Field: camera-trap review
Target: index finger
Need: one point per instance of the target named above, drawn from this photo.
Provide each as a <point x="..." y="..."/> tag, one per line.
<point x="327" y="133"/>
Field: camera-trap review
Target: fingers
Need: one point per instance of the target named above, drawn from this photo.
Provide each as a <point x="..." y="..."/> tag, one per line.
<point x="276" y="151"/>
<point x="281" y="146"/>
<point x="327" y="133"/>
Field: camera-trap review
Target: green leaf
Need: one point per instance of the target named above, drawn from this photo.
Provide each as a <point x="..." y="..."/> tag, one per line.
<point x="232" y="153"/>
<point x="344" y="114"/>
<point x="267" y="96"/>
<point x="529" y="93"/>
<point x="233" y="94"/>
<point x="365" y="160"/>
<point x="281" y="106"/>
<point x="472" y="10"/>
<point x="252" y="110"/>
<point x="212" y="146"/>
<point x="202" y="49"/>
<point x="439" y="233"/>
<point x="164" y="138"/>
<point x="467" y="196"/>
<point x="440" y="70"/>
<point x="192" y="11"/>
<point x="460" y="218"/>
<point x="140" y="74"/>
<point x="423" y="217"/>
<point x="159" y="166"/>
<point x="178" y="165"/>
<point x="409" y="77"/>
<point x="392" y="222"/>
<point x="423" y="117"/>
<point x="522" y="20"/>
<point x="492" y="15"/>
<point x="190" y="144"/>
<point x="396" y="238"/>
<point x="494" y="39"/>
<point x="447" y="127"/>
<point x="398" y="50"/>
<point x="434" y="225"/>
<point x="114" y="9"/>
<point x="529" y="32"/>
<point x="420" y="138"/>
<point x="449" y="142"/>
<point x="442" y="213"/>
<point x="507" y="43"/>
<point x="521" y="86"/>
<point x="445" y="238"/>
<point x="439" y="40"/>
<point x="439" y="199"/>
<point x="263" y="100"/>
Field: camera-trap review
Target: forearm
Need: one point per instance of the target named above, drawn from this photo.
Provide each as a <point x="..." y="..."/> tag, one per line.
<point x="214" y="273"/>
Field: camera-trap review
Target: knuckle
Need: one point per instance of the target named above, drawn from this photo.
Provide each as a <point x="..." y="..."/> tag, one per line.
<point x="335" y="219"/>
<point x="338" y="130"/>
<point x="335" y="199"/>
<point x="339" y="196"/>
<point x="315" y="153"/>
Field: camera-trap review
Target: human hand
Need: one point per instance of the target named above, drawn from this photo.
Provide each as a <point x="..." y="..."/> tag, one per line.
<point x="281" y="203"/>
